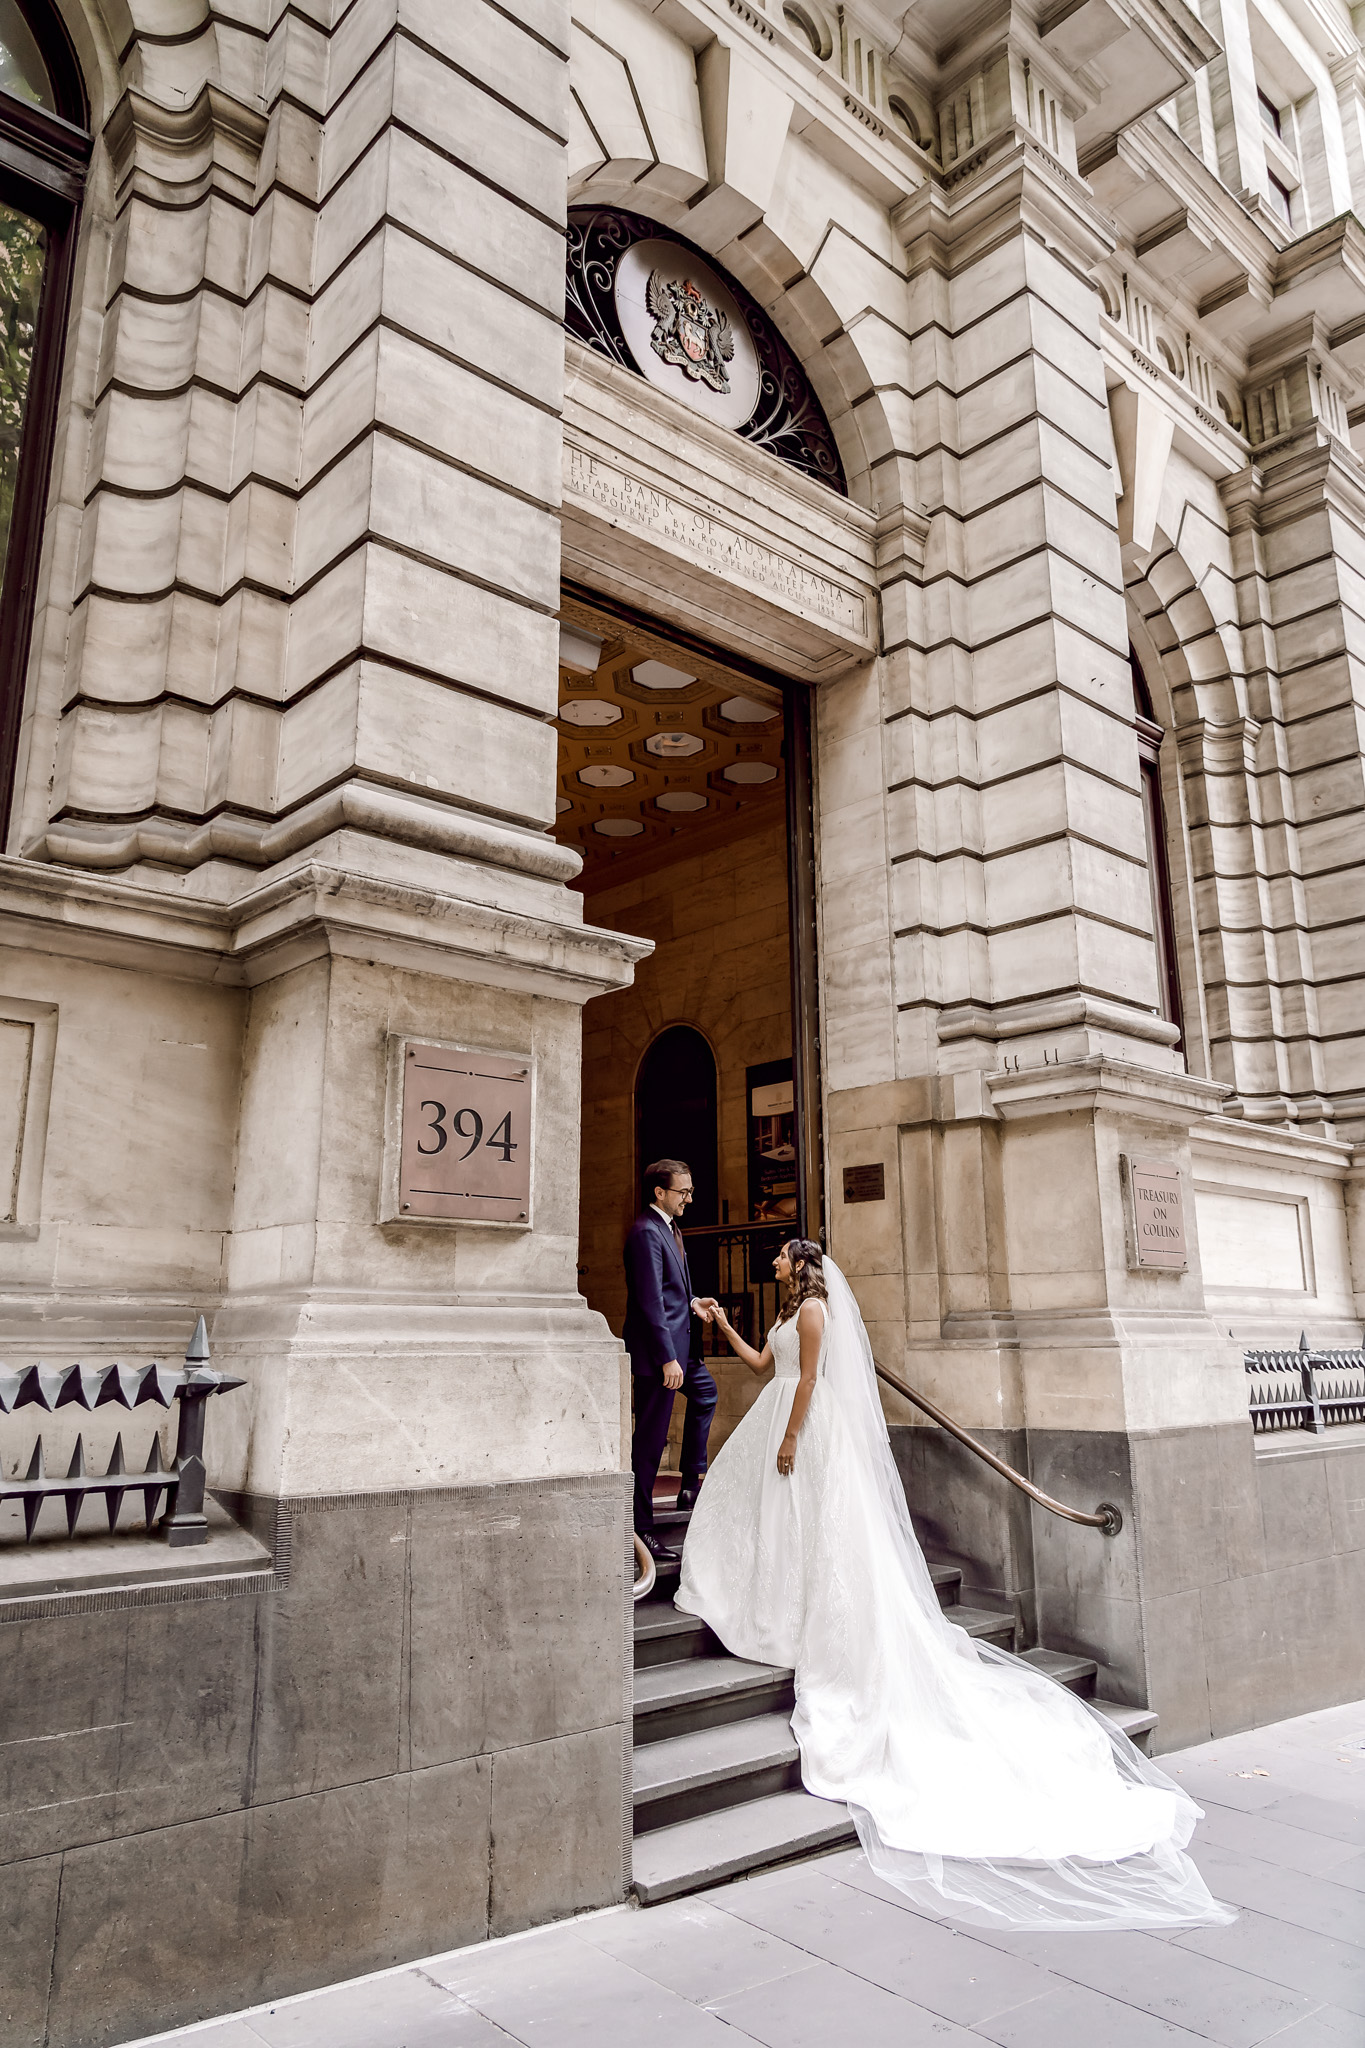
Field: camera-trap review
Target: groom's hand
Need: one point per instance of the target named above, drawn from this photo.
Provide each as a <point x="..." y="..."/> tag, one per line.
<point x="673" y="1375"/>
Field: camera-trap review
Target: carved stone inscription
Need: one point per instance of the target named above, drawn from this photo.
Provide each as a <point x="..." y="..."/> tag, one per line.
<point x="1158" y="1212"/>
<point x="718" y="545"/>
<point x="466" y="1140"/>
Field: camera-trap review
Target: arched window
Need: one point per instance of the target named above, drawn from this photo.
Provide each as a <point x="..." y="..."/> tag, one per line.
<point x="44" y="149"/>
<point x="1149" y="738"/>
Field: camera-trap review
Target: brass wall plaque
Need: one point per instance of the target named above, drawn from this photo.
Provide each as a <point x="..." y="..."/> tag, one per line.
<point x="1158" y="1215"/>
<point x="865" y="1183"/>
<point x="465" y="1148"/>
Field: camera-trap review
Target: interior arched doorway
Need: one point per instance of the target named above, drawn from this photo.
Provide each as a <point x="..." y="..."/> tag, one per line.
<point x="676" y="1101"/>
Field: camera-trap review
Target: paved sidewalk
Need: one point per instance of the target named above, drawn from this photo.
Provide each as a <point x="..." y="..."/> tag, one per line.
<point x="822" y="1954"/>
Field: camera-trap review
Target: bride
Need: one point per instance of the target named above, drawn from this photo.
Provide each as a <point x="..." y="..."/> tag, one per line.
<point x="981" y="1788"/>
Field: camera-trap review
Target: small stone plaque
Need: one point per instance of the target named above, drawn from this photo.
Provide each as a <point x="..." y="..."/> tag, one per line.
<point x="465" y="1150"/>
<point x="1158" y="1215"/>
<point x="865" y="1183"/>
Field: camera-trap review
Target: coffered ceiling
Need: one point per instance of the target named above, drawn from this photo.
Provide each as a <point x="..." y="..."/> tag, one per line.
<point x="661" y="752"/>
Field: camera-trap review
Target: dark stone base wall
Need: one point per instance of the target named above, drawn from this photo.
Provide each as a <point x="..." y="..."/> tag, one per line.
<point x="1231" y="1598"/>
<point x="419" y="1737"/>
<point x="966" y="1515"/>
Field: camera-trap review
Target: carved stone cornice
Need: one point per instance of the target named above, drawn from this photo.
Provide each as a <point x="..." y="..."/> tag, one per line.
<point x="1307" y="469"/>
<point x="1021" y="188"/>
<point x="319" y="907"/>
<point x="180" y="152"/>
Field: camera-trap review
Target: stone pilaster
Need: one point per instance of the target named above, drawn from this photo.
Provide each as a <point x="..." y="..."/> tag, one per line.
<point x="1298" y="520"/>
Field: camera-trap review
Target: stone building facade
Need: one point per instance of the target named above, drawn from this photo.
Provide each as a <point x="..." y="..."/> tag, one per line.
<point x="328" y="546"/>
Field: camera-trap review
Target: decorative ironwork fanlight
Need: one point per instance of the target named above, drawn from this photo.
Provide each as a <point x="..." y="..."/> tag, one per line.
<point x="642" y="296"/>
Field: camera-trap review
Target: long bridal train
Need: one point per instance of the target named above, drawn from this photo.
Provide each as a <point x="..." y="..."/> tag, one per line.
<point x="979" y="1787"/>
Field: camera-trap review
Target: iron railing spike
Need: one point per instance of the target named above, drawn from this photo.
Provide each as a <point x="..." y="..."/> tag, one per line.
<point x="198" y="1351"/>
<point x="76" y="1469"/>
<point x="10" y="1383"/>
<point x="36" y="1469"/>
<point x="116" y="1464"/>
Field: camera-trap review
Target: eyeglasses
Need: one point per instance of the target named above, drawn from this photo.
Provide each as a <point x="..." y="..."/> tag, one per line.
<point x="686" y="1193"/>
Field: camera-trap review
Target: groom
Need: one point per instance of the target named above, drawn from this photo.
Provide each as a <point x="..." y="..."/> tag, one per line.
<point x="664" y="1359"/>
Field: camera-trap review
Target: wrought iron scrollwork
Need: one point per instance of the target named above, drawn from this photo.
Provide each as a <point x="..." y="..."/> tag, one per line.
<point x="787" y="418"/>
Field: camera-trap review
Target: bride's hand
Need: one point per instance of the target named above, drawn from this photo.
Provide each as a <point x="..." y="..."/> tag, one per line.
<point x="786" y="1456"/>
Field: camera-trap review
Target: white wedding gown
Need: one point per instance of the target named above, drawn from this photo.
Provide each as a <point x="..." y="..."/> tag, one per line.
<point x="979" y="1787"/>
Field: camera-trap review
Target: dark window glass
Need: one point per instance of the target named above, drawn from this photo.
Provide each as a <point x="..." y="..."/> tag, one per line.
<point x="1282" y="199"/>
<point x="1149" y="737"/>
<point x="23" y="250"/>
<point x="1270" y="113"/>
<point x="44" y="148"/>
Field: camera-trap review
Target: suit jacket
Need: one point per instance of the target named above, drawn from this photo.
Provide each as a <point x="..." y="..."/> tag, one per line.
<point x="658" y="1296"/>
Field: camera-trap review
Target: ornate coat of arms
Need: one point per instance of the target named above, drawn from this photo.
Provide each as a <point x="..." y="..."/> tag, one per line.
<point x="689" y="332"/>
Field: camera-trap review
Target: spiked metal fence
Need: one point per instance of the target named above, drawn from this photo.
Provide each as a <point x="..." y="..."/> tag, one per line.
<point x="1305" y="1389"/>
<point x="124" y="1386"/>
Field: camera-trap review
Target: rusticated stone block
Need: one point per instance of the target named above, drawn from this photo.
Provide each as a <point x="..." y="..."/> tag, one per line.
<point x="557" y="1833"/>
<point x="163" y="1929"/>
<point x="28" y="1920"/>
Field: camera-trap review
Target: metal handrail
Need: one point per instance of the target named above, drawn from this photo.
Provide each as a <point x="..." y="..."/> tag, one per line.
<point x="646" y="1575"/>
<point x="1106" y="1516"/>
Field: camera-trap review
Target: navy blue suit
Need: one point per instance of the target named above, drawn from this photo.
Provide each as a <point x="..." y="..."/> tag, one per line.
<point x="659" y="1328"/>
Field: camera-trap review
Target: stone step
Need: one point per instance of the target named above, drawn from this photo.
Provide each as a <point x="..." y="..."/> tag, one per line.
<point x="670" y="1524"/>
<point x="665" y="1585"/>
<point x="712" y="1768"/>
<point x="947" y="1580"/>
<point x="1077" y="1674"/>
<point x="1137" y="1723"/>
<point x="703" y="1692"/>
<point x="671" y="1529"/>
<point x="663" y="1636"/>
<point x="979" y="1621"/>
<point x="691" y="1854"/>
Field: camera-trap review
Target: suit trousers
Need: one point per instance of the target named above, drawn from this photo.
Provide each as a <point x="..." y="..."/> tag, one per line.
<point x="653" y="1413"/>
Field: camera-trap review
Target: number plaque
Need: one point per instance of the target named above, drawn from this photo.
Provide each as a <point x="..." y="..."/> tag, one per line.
<point x="464" y="1150"/>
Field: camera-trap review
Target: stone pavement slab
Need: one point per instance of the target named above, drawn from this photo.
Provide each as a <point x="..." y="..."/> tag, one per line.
<point x="823" y="1954"/>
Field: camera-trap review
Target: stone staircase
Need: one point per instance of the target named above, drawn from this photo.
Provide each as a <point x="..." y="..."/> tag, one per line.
<point x="717" y="1773"/>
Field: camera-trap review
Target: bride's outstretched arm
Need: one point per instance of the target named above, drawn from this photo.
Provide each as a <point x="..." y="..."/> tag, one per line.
<point x="810" y="1325"/>
<point x="757" y="1361"/>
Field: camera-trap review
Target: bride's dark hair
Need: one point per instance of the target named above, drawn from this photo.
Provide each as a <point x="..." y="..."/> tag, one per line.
<point x="808" y="1275"/>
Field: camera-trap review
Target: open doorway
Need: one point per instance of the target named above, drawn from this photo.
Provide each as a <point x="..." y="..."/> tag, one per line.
<point x="684" y="783"/>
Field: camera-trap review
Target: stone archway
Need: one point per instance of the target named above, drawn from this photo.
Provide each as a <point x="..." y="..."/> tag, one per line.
<point x="1259" y="1029"/>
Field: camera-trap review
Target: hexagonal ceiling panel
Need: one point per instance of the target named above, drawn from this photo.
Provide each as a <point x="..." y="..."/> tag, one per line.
<point x="661" y="751"/>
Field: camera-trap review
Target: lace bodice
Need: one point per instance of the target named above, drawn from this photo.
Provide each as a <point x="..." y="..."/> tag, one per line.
<point x="785" y="1340"/>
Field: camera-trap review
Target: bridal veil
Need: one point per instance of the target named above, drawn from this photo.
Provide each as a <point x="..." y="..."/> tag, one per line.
<point x="979" y="1787"/>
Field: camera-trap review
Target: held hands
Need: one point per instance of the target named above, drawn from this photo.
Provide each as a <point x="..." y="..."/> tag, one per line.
<point x="786" y="1456"/>
<point x="709" y="1309"/>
